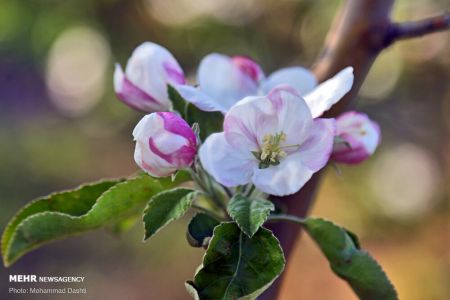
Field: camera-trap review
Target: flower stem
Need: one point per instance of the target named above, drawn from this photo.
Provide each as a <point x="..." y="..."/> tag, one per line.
<point x="251" y="190"/>
<point x="208" y="212"/>
<point x="288" y="218"/>
<point x="203" y="180"/>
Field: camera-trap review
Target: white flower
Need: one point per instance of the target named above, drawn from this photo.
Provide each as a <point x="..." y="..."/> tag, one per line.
<point x="271" y="141"/>
<point x="143" y="86"/>
<point x="224" y="80"/>
<point x="359" y="138"/>
<point x="164" y="144"/>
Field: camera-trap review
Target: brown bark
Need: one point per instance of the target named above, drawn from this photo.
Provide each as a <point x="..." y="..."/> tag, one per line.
<point x="360" y="31"/>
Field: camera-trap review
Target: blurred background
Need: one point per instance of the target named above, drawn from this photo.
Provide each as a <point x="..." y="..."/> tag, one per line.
<point x="61" y="125"/>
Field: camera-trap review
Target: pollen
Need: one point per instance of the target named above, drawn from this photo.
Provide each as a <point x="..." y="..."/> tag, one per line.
<point x="271" y="150"/>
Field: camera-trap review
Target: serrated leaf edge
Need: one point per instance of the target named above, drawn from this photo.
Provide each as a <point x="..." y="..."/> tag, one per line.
<point x="146" y="237"/>
<point x="357" y="249"/>
<point x="44" y="198"/>
<point x="8" y="262"/>
<point x="263" y="228"/>
<point x="265" y="216"/>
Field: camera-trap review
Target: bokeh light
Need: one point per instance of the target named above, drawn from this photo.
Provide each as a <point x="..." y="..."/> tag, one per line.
<point x="76" y="69"/>
<point x="383" y="76"/>
<point x="405" y="181"/>
<point x="179" y="12"/>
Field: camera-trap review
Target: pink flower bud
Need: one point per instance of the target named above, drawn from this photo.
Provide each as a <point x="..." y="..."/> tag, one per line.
<point x="359" y="136"/>
<point x="248" y="67"/>
<point x="143" y="86"/>
<point x="164" y="144"/>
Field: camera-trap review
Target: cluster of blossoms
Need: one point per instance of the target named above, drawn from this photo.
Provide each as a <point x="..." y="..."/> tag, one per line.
<point x="273" y="136"/>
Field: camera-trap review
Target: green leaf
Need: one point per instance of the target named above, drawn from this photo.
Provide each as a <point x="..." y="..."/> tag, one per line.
<point x="236" y="266"/>
<point x="72" y="212"/>
<point x="178" y="102"/>
<point x="249" y="214"/>
<point x="357" y="267"/>
<point x="200" y="228"/>
<point x="120" y="227"/>
<point x="166" y="207"/>
<point x="209" y="122"/>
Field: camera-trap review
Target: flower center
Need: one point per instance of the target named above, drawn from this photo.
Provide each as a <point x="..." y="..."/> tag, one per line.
<point x="271" y="151"/>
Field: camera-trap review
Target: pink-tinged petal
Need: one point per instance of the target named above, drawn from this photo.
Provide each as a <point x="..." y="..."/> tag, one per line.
<point x="249" y="67"/>
<point x="329" y="92"/>
<point x="164" y="144"/>
<point x="175" y="74"/>
<point x="132" y="95"/>
<point x="175" y="124"/>
<point x="351" y="155"/>
<point x="285" y="179"/>
<point x="361" y="136"/>
<point x="301" y="79"/>
<point x="150" y="68"/>
<point x="315" y="151"/>
<point x="200" y="99"/>
<point x="228" y="165"/>
<point x="223" y="81"/>
<point x="293" y="114"/>
<point x="151" y="163"/>
<point x="182" y="156"/>
<point x="247" y="122"/>
<point x="353" y="123"/>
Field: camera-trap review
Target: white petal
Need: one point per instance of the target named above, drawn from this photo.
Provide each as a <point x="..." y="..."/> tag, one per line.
<point x="223" y="81"/>
<point x="249" y="121"/>
<point x="168" y="142"/>
<point x="315" y="151"/>
<point x="228" y="165"/>
<point x="285" y="179"/>
<point x="119" y="76"/>
<point x="151" y="67"/>
<point x="199" y="98"/>
<point x="133" y="96"/>
<point x="373" y="137"/>
<point x="329" y="92"/>
<point x="150" y="162"/>
<point x="299" y="78"/>
<point x="142" y="126"/>
<point x="293" y="114"/>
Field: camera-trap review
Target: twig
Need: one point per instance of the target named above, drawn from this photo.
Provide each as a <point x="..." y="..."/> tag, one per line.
<point x="407" y="30"/>
<point x="288" y="218"/>
<point x="355" y="39"/>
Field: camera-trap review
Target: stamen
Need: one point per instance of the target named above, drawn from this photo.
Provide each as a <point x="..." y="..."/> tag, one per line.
<point x="271" y="151"/>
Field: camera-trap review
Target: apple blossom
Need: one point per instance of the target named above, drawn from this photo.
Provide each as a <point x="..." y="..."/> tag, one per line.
<point x="225" y="80"/>
<point x="164" y="143"/>
<point x="359" y="137"/>
<point x="271" y="141"/>
<point x="143" y="86"/>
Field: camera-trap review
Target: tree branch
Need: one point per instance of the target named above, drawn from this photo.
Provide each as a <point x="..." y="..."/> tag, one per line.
<point x="406" y="30"/>
<point x="358" y="34"/>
